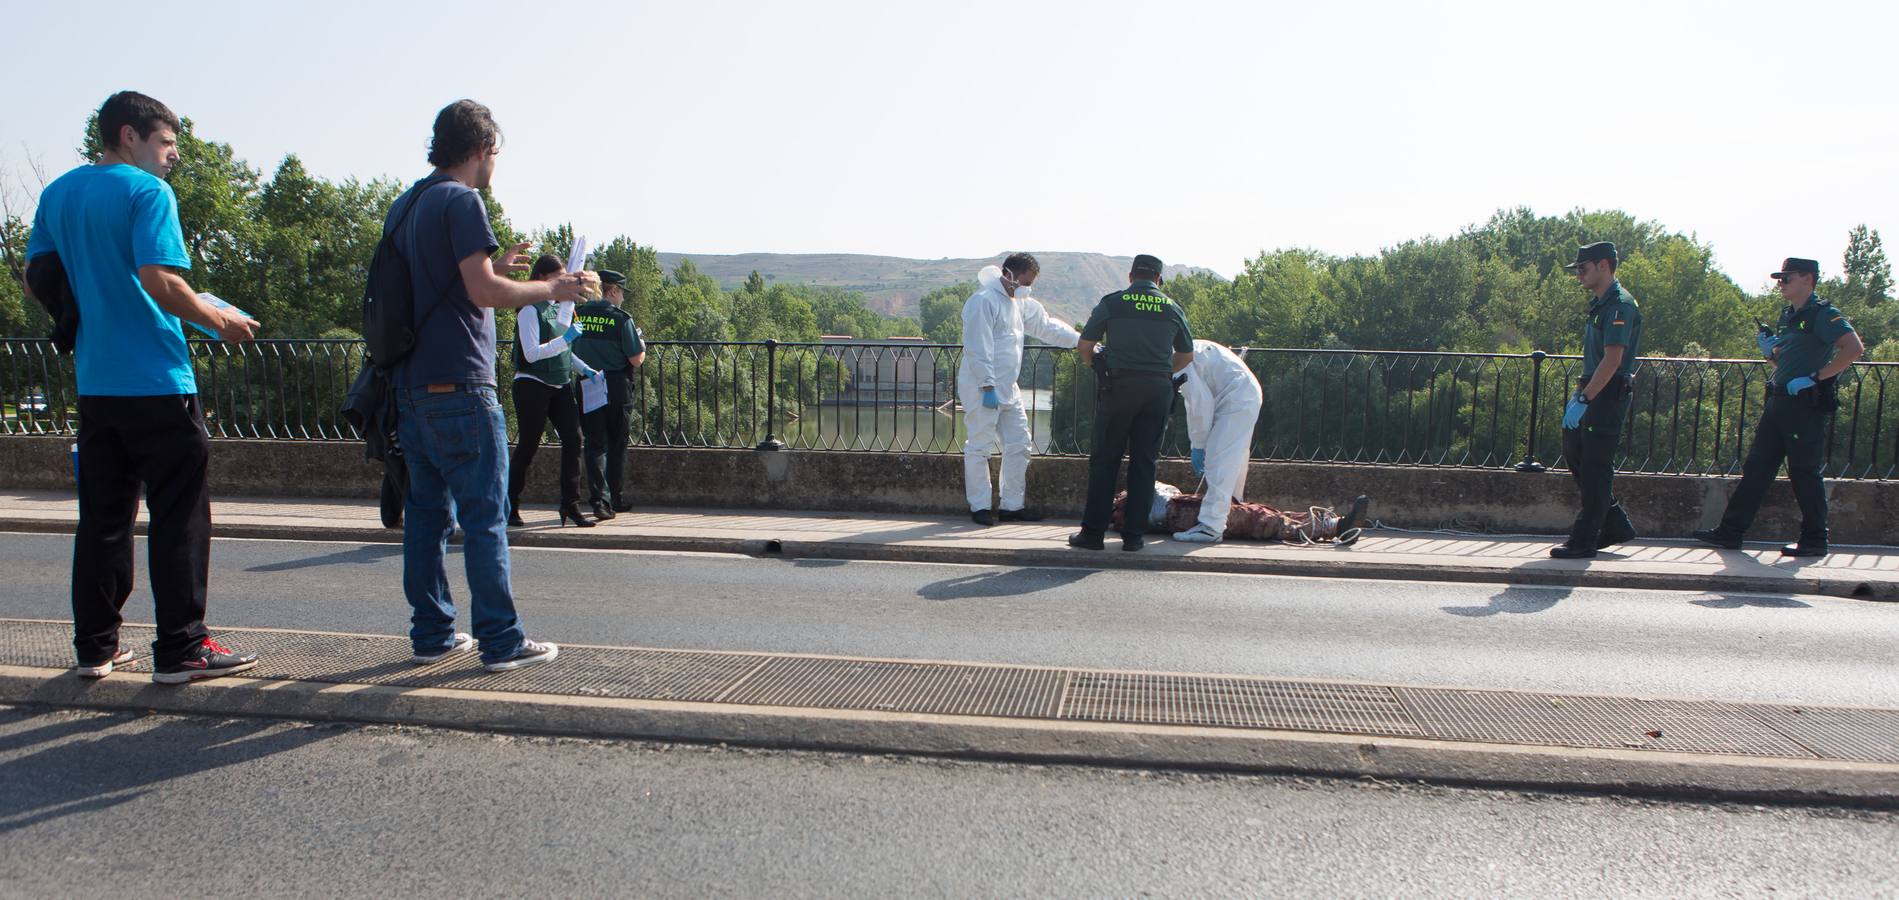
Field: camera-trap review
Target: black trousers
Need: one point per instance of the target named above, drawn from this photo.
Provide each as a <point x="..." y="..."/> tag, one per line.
<point x="1591" y="451"/>
<point x="159" y="443"/>
<point x="536" y="404"/>
<point x="1791" y="429"/>
<point x="607" y="439"/>
<point x="1129" y="420"/>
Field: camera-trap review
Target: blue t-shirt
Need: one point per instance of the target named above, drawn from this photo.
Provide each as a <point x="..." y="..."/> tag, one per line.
<point x="105" y="222"/>
<point x="455" y="343"/>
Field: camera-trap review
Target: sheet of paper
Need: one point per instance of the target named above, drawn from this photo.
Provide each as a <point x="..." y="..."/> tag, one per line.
<point x="593" y="394"/>
<point x="220" y="303"/>
<point x="578" y="256"/>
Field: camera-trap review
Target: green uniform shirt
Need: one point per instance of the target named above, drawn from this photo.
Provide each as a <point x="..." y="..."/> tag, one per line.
<point x="1807" y="338"/>
<point x="1614" y="318"/>
<point x="1142" y="329"/>
<point x="608" y="337"/>
<point x="555" y="370"/>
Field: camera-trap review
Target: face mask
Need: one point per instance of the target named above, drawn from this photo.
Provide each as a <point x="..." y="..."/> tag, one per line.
<point x="1012" y="288"/>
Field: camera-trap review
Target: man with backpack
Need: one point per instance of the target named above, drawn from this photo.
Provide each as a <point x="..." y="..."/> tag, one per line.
<point x="453" y="434"/>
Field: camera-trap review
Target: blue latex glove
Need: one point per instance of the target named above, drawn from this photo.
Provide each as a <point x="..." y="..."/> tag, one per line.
<point x="573" y="333"/>
<point x="1800" y="384"/>
<point x="1199" y="458"/>
<point x="1572" y="414"/>
<point x="990" y="400"/>
<point x="587" y="372"/>
<point x="1766" y="342"/>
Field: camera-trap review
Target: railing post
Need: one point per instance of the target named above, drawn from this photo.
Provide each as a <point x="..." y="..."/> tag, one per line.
<point x="1530" y="463"/>
<point x="771" y="441"/>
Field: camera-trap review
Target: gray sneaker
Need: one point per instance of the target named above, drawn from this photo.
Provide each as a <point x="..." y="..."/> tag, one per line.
<point x="119" y="658"/>
<point x="464" y="642"/>
<point x="530" y="652"/>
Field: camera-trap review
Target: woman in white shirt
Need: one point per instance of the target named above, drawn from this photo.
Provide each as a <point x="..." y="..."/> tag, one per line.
<point x="544" y="391"/>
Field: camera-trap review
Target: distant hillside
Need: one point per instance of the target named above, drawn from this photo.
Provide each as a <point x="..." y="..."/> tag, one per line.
<point x="1069" y="285"/>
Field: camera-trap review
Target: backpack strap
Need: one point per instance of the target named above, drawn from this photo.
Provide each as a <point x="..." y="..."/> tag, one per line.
<point x="421" y="189"/>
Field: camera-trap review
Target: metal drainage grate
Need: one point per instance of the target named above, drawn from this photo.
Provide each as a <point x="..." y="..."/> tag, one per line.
<point x="583" y="671"/>
<point x="42" y="645"/>
<point x="1610" y="722"/>
<point x="1869" y="735"/>
<point x="1026" y="692"/>
<point x="1235" y="703"/>
<point x="904" y="687"/>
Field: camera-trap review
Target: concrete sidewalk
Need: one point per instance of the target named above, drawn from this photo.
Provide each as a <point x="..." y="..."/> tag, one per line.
<point x="1746" y="752"/>
<point x="1870" y="573"/>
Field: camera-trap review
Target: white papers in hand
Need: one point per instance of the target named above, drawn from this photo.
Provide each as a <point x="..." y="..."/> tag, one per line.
<point x="593" y="393"/>
<point x="578" y="256"/>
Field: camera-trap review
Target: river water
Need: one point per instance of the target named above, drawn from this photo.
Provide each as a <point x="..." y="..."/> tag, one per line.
<point x="917" y="429"/>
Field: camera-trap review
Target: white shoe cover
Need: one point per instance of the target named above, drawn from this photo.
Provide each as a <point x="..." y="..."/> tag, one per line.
<point x="1199" y="534"/>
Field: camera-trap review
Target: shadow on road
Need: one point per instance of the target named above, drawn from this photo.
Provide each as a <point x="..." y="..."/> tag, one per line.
<point x="1739" y="602"/>
<point x="364" y="555"/>
<point x="90" y="763"/>
<point x="1514" y="600"/>
<point x="1001" y="584"/>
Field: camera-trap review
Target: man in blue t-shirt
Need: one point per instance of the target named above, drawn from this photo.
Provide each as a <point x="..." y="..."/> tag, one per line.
<point x="454" y="436"/>
<point x="114" y="225"/>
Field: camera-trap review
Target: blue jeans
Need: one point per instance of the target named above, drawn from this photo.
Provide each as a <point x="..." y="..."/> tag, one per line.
<point x="456" y="445"/>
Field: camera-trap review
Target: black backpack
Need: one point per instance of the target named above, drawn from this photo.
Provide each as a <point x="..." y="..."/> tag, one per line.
<point x="389" y="325"/>
<point x="46" y="276"/>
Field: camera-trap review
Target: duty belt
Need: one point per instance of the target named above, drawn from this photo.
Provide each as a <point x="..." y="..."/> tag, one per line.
<point x="1618" y="387"/>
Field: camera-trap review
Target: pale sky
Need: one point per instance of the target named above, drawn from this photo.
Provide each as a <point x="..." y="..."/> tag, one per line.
<point x="1203" y="132"/>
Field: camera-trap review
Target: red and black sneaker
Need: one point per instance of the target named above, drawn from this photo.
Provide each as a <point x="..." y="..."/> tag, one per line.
<point x="207" y="660"/>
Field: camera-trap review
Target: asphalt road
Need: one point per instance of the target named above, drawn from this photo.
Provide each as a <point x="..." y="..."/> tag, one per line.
<point x="122" y="805"/>
<point x="1662" y="644"/>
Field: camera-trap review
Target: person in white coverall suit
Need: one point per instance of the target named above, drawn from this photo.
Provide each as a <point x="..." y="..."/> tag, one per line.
<point x="1222" y="399"/>
<point x="995" y="319"/>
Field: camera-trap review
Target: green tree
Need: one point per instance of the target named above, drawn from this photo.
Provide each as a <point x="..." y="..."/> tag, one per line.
<point x="1865" y="293"/>
<point x="1279" y="299"/>
<point x="644" y="277"/>
<point x="1684" y="300"/>
<point x="940" y="312"/>
<point x="558" y="240"/>
<point x="18" y="315"/>
<point x="1868" y="272"/>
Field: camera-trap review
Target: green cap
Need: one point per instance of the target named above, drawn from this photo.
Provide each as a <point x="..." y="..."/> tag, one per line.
<point x="1794" y="264"/>
<point x="1591" y="253"/>
<point x="608" y="276"/>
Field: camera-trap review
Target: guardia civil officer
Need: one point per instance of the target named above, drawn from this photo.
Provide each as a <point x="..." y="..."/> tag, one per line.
<point x="1810" y="346"/>
<point x="1592" y="420"/>
<point x="611" y="343"/>
<point x="1147" y="342"/>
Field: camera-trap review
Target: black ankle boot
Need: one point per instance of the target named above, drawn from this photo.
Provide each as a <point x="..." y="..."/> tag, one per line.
<point x="570" y="512"/>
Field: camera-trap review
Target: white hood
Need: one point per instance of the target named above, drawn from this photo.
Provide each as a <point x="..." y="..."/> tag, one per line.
<point x="990" y="278"/>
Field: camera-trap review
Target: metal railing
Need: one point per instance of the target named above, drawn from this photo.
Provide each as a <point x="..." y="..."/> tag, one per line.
<point x="1689" y="416"/>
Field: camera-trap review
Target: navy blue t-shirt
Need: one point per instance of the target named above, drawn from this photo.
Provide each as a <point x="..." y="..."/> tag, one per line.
<point x="455" y="343"/>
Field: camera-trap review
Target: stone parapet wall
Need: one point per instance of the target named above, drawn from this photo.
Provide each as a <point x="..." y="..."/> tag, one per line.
<point x="1496" y="500"/>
